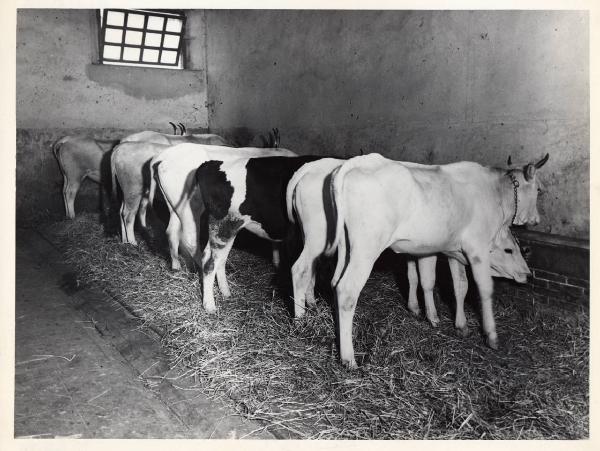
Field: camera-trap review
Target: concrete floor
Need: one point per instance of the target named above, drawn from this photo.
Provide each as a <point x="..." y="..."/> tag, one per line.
<point x="83" y="369"/>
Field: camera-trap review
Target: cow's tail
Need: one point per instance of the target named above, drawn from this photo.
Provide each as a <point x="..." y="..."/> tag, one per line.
<point x="153" y="168"/>
<point x="113" y="171"/>
<point x="338" y="177"/>
<point x="291" y="190"/>
<point x="56" y="149"/>
<point x="339" y="239"/>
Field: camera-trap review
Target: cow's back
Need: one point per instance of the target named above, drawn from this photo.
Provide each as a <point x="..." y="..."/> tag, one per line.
<point x="430" y="207"/>
<point x="265" y="188"/>
<point x="80" y="156"/>
<point x="177" y="164"/>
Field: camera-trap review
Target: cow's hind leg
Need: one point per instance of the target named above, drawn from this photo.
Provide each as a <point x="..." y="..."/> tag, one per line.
<point x="70" y="189"/>
<point x="348" y="289"/>
<point x="221" y="234"/>
<point x="223" y="253"/>
<point x="461" y="285"/>
<point x="480" y="265"/>
<point x="128" y="213"/>
<point x="173" y="232"/>
<point x="142" y="211"/>
<point x="276" y="257"/>
<point x="413" y="283"/>
<point x="303" y="281"/>
<point x="427" y="277"/>
<point x="214" y="258"/>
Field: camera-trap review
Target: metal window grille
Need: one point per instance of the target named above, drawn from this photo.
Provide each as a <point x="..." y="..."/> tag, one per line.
<point x="142" y="37"/>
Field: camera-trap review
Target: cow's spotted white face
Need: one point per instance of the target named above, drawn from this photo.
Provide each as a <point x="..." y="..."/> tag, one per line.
<point x="506" y="259"/>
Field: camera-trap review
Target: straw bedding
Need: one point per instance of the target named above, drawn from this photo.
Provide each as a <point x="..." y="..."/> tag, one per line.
<point x="414" y="381"/>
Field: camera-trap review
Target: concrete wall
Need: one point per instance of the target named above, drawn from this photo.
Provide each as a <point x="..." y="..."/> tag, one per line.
<point x="424" y="86"/>
<point x="60" y="90"/>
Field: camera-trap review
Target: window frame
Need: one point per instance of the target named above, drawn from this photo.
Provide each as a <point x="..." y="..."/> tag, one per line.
<point x="102" y="15"/>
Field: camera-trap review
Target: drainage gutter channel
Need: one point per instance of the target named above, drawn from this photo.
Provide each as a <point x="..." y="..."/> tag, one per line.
<point x="115" y="322"/>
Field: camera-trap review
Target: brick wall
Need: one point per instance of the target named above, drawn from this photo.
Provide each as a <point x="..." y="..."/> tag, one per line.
<point x="560" y="272"/>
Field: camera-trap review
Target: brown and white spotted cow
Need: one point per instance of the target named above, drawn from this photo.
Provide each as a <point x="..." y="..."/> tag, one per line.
<point x="80" y="157"/>
<point x="456" y="209"/>
<point x="243" y="193"/>
<point x="309" y="204"/>
<point x="174" y="170"/>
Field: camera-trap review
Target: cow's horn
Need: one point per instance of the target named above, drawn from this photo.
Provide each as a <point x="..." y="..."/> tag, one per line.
<point x="509" y="161"/>
<point x="542" y="162"/>
<point x="174" y="128"/>
<point x="182" y="128"/>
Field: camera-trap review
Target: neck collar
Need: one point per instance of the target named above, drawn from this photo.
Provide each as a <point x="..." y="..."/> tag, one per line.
<point x="515" y="184"/>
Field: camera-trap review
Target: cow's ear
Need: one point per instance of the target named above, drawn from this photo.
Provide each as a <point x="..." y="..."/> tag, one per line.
<point x="542" y="162"/>
<point x="529" y="172"/>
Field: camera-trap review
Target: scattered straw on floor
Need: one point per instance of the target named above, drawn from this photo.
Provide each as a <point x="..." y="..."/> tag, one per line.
<point x="415" y="382"/>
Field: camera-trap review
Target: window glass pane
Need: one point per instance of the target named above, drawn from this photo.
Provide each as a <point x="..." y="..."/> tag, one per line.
<point x="171" y="41"/>
<point x="150" y="56"/>
<point x="168" y="57"/>
<point x="135" y="20"/>
<point x="113" y="35"/>
<point x="174" y="25"/>
<point x="153" y="39"/>
<point x="112" y="51"/>
<point x="114" y="18"/>
<point x="131" y="54"/>
<point x="155" y="23"/>
<point x="133" y="37"/>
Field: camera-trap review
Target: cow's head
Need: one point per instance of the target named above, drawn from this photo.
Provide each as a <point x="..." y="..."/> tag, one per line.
<point x="506" y="259"/>
<point x="527" y="187"/>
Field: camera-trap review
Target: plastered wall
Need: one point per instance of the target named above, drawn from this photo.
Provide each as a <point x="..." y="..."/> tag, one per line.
<point x="423" y="86"/>
<point x="62" y="90"/>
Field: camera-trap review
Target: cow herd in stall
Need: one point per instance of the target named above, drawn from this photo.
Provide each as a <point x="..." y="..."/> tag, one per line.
<point x="355" y="207"/>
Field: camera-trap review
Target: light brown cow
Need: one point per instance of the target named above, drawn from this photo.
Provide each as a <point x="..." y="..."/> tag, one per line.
<point x="80" y="157"/>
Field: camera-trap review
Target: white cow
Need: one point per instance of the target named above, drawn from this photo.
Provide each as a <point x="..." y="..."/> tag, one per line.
<point x="308" y="203"/>
<point x="129" y="165"/>
<point x="456" y="209"/>
<point x="171" y="140"/>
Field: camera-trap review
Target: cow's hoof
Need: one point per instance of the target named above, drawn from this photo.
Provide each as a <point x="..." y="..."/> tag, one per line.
<point x="463" y="332"/>
<point x="211" y="310"/>
<point x="175" y="267"/>
<point x="350" y="364"/>
<point x="298" y="315"/>
<point x="492" y="342"/>
<point x="415" y="311"/>
<point x="435" y="322"/>
<point x="299" y="311"/>
<point x="310" y="300"/>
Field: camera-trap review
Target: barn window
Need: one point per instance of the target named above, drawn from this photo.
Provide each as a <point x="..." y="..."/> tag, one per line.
<point x="140" y="37"/>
